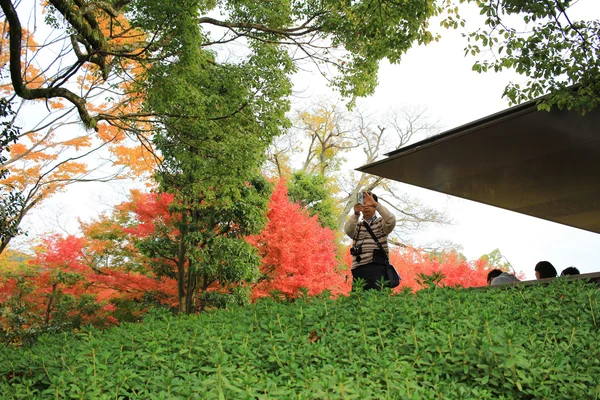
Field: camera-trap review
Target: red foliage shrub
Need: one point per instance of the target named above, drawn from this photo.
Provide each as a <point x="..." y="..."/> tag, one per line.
<point x="456" y="270"/>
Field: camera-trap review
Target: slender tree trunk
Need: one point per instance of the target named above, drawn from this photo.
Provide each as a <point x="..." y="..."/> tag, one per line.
<point x="205" y="284"/>
<point x="50" y="301"/>
<point x="181" y="293"/>
<point x="191" y="289"/>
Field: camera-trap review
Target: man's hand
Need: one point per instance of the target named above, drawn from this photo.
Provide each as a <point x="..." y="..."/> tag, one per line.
<point x="369" y="201"/>
<point x="357" y="209"/>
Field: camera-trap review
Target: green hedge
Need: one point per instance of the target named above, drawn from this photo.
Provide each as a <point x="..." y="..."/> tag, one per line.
<point x="539" y="342"/>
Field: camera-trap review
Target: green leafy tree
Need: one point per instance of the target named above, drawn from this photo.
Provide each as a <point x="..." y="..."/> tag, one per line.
<point x="214" y="117"/>
<point x="314" y="193"/>
<point x="539" y="40"/>
<point x="495" y="259"/>
<point x="216" y="120"/>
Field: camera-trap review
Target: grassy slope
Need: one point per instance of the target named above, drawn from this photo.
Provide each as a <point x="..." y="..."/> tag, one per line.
<point x="533" y="343"/>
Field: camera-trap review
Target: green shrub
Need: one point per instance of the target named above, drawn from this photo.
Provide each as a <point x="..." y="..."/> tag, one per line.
<point x="523" y="343"/>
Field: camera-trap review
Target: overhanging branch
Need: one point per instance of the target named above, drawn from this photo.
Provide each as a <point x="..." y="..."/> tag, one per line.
<point x="302" y="30"/>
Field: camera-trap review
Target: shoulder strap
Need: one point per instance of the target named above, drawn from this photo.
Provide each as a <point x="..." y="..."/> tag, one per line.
<point x="357" y="234"/>
<point x="375" y="239"/>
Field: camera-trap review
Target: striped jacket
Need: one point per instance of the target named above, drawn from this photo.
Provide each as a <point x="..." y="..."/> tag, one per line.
<point x="381" y="227"/>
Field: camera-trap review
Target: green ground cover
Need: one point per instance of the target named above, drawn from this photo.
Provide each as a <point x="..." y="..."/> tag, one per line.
<point x="524" y="343"/>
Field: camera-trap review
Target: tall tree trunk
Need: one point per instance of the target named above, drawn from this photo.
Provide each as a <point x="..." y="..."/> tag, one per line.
<point x="181" y="284"/>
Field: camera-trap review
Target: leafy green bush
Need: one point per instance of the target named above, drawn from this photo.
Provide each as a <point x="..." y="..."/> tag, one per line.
<point x="538" y="342"/>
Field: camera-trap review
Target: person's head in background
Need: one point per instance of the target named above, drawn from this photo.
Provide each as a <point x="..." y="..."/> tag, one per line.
<point x="545" y="269"/>
<point x="492" y="274"/>
<point x="570" y="271"/>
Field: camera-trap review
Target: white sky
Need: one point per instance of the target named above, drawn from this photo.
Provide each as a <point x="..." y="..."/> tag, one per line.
<point x="439" y="78"/>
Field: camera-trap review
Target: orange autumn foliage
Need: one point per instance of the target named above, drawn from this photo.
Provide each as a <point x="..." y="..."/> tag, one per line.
<point x="129" y="99"/>
<point x="53" y="151"/>
<point x="33" y="76"/>
<point x="151" y="209"/>
<point x="51" y="291"/>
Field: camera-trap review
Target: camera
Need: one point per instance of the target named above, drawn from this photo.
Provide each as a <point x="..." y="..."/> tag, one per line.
<point x="360" y="198"/>
<point x="355" y="250"/>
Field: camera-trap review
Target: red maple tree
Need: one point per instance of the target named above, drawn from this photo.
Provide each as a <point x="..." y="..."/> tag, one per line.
<point x="128" y="274"/>
<point x="54" y="290"/>
<point x="297" y="252"/>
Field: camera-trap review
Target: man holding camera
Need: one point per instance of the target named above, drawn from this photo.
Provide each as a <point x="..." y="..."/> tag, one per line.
<point x="368" y="261"/>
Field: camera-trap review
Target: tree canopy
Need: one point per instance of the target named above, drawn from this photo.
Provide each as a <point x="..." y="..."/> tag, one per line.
<point x="540" y="40"/>
<point x="113" y="40"/>
<point x="90" y="62"/>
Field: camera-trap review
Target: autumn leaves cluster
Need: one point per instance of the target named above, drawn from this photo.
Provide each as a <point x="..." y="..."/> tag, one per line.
<point x="102" y="278"/>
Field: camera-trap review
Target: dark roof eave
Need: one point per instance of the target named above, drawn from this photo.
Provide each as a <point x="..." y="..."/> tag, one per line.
<point x="492" y="119"/>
